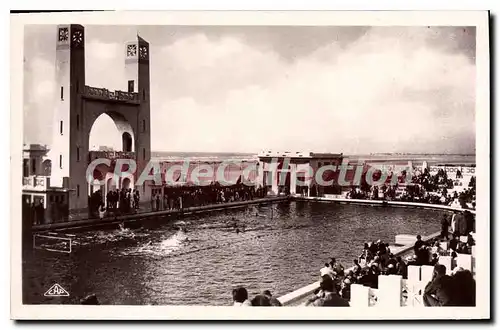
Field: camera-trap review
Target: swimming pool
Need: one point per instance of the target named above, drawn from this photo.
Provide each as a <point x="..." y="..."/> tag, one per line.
<point x="280" y="247"/>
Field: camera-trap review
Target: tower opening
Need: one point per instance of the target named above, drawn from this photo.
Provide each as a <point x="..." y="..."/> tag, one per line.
<point x="111" y="132"/>
<point x="126" y="184"/>
<point x="126" y="142"/>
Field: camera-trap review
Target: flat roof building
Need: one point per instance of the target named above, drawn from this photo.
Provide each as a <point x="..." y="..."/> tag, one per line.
<point x="294" y="172"/>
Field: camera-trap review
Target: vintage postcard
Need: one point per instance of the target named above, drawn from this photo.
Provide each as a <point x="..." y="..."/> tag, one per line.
<point x="186" y="165"/>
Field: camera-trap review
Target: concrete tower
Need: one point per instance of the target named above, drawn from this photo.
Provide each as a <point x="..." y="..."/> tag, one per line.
<point x="70" y="81"/>
<point x="80" y="105"/>
<point x="137" y="73"/>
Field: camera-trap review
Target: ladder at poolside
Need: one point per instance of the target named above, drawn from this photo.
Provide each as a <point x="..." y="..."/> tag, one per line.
<point x="53" y="242"/>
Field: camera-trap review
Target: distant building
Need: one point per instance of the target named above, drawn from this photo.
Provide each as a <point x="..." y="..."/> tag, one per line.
<point x="34" y="162"/>
<point x="42" y="203"/>
<point x="296" y="170"/>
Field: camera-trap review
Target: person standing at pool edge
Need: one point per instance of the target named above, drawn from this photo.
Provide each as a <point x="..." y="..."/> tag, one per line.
<point x="420" y="251"/>
<point x="453" y="222"/>
<point x="444" y="227"/>
<point x="102" y="212"/>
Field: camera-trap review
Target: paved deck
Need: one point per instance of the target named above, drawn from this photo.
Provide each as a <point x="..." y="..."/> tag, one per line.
<point x="383" y="203"/>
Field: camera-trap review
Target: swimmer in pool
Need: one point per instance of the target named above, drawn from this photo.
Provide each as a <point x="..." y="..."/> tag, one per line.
<point x="235" y="223"/>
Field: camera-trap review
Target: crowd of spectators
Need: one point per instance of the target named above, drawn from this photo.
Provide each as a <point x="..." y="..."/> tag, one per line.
<point x="240" y="298"/>
<point x="461" y="242"/>
<point x="119" y="201"/>
<point x="429" y="253"/>
<point x="191" y="196"/>
<point x="125" y="201"/>
<point x="424" y="188"/>
<point x="457" y="289"/>
<point x="377" y="259"/>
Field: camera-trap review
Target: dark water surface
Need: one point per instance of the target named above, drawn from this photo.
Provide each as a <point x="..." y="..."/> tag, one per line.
<point x="282" y="249"/>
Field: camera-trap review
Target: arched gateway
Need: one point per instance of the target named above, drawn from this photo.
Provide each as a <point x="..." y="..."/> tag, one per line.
<point x="79" y="105"/>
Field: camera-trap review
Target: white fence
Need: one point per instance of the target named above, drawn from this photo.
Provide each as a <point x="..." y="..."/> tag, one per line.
<point x="450" y="170"/>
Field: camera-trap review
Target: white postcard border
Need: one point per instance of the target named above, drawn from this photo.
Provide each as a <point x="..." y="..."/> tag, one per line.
<point x="304" y="18"/>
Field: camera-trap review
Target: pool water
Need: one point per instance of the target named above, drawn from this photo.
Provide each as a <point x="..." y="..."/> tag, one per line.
<point x="280" y="247"/>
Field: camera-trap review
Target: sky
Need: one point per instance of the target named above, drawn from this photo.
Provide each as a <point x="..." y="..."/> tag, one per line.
<point x="245" y="89"/>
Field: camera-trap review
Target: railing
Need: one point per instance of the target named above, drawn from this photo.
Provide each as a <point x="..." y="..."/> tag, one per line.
<point x="54" y="244"/>
<point x="36" y="182"/>
<point x="111" y="155"/>
<point x="103" y="93"/>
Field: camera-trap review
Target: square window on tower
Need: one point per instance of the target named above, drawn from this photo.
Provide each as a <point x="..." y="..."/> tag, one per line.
<point x="63" y="34"/>
<point x="143" y="52"/>
<point x="131" y="50"/>
<point x="130" y="86"/>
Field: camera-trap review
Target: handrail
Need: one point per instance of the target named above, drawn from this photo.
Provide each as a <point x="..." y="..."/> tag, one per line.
<point x="103" y="93"/>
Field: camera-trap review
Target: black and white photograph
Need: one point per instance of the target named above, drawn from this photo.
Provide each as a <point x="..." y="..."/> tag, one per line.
<point x="279" y="160"/>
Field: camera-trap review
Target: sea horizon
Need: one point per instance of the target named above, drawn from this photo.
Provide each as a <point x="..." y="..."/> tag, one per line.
<point x="430" y="158"/>
<point x="354" y="154"/>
